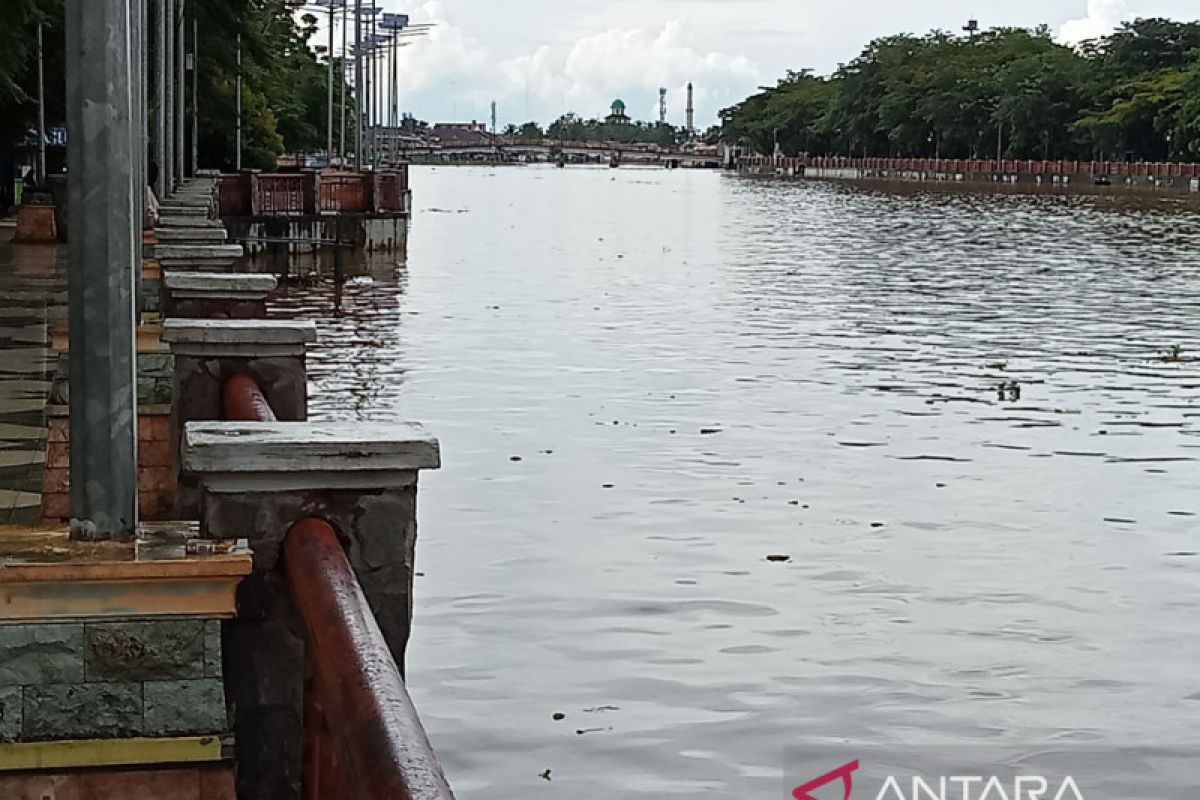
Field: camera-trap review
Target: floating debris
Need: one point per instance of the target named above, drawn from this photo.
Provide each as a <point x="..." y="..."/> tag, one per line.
<point x="779" y="559"/>
<point x="709" y="431"/>
<point x="514" y="458"/>
<point x="559" y="716"/>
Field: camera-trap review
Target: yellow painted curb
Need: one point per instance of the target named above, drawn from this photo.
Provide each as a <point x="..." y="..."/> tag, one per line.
<point x="108" y="753"/>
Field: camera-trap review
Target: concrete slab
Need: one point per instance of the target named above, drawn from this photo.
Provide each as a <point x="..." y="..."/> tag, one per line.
<point x="238" y="338"/>
<point x="288" y="455"/>
<point x="206" y="234"/>
<point x="232" y="285"/>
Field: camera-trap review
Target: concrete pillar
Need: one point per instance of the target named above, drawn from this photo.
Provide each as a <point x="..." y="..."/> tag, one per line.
<point x="208" y="352"/>
<point x="257" y="480"/>
<point x="202" y="257"/>
<point x="168" y="77"/>
<point x="160" y="96"/>
<point x="102" y="261"/>
<point x="180" y="92"/>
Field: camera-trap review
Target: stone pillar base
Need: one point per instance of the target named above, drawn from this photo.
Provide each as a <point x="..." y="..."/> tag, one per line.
<point x="36" y="225"/>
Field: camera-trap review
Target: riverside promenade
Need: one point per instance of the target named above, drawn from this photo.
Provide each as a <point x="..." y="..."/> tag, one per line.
<point x="269" y="581"/>
<point x="1074" y="175"/>
<point x="32" y="291"/>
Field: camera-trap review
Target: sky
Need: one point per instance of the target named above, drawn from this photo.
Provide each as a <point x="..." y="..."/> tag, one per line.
<point x="540" y="58"/>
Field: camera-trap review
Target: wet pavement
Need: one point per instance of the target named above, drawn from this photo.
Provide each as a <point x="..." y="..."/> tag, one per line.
<point x="32" y="278"/>
<point x="737" y="466"/>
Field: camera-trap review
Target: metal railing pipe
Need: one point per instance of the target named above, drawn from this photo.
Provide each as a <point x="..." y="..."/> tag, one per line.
<point x="243" y="401"/>
<point x="382" y="750"/>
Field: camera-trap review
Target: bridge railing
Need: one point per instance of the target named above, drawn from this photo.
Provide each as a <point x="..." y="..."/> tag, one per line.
<point x="254" y="193"/>
<point x="345" y="192"/>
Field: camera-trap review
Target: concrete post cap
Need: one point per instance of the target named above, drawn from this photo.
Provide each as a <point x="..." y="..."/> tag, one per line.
<point x="281" y="456"/>
<point x="219" y="284"/>
<point x="243" y="338"/>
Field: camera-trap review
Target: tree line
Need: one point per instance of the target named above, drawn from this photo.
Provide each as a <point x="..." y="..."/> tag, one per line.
<point x="571" y="127"/>
<point x="1131" y="95"/>
<point x="284" y="77"/>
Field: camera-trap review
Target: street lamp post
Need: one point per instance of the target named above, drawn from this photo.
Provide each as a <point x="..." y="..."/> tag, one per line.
<point x="41" y="132"/>
<point x="238" y="140"/>
<point x="392" y="25"/>
<point x="195" y="94"/>
<point x="358" y="82"/>
<point x="332" y="5"/>
<point x="181" y="95"/>
<point x="342" y="81"/>
<point x="160" y="99"/>
<point x="167" y="22"/>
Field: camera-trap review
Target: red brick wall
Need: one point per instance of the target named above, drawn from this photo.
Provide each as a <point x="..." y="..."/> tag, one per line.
<point x="191" y="783"/>
<point x="156" y="477"/>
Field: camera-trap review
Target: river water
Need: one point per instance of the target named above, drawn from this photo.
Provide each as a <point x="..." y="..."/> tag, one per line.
<point x="968" y="421"/>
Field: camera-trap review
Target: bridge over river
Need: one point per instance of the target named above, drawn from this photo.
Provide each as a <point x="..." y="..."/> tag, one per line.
<point x="546" y="151"/>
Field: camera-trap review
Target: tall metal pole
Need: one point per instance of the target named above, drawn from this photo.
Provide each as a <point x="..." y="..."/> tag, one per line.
<point x="358" y="84"/>
<point x="41" y="72"/>
<point x="343" y="78"/>
<point x="181" y="97"/>
<point x="195" y="93"/>
<point x="377" y="84"/>
<point x="368" y="100"/>
<point x="140" y="143"/>
<point x="101" y="263"/>
<point x="238" y="146"/>
<point x="160" y="101"/>
<point x="143" y="42"/>
<point x="394" y="150"/>
<point x="168" y="78"/>
<point x="329" y="143"/>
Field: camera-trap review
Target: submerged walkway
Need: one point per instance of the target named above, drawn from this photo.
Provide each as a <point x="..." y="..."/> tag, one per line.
<point x="32" y="285"/>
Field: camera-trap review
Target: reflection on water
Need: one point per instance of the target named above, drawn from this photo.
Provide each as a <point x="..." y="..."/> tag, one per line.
<point x="968" y="421"/>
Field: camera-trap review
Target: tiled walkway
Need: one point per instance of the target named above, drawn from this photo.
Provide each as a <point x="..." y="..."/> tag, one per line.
<point x="32" y="280"/>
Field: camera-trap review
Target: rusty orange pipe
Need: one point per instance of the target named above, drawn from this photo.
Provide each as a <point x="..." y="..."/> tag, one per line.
<point x="382" y="750"/>
<point x="243" y="401"/>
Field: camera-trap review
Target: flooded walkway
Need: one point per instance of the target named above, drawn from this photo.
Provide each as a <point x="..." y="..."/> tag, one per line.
<point x="732" y="466"/>
<point x="32" y="280"/>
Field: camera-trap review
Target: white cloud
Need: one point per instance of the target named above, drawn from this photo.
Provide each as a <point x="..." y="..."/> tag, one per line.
<point x="583" y="76"/>
<point x="1102" y="17"/>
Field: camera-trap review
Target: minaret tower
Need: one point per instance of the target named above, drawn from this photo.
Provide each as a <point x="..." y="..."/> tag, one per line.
<point x="691" y="112"/>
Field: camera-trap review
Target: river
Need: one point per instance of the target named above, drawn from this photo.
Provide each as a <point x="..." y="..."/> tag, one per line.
<point x="733" y="466"/>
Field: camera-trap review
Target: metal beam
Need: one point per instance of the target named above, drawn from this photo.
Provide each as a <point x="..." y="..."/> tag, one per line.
<point x="101" y="263"/>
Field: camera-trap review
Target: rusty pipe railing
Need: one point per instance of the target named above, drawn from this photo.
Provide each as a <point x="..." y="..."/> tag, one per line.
<point x="380" y="746"/>
<point x="362" y="737"/>
<point x="243" y="401"/>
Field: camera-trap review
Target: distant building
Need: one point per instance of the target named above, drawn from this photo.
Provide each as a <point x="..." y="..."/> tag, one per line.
<point x="462" y="133"/>
<point x="618" y="115"/>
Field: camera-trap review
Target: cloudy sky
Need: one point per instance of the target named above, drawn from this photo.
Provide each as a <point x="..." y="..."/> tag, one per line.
<point x="539" y="58"/>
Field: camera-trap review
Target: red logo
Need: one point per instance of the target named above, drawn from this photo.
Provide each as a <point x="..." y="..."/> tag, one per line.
<point x="845" y="772"/>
